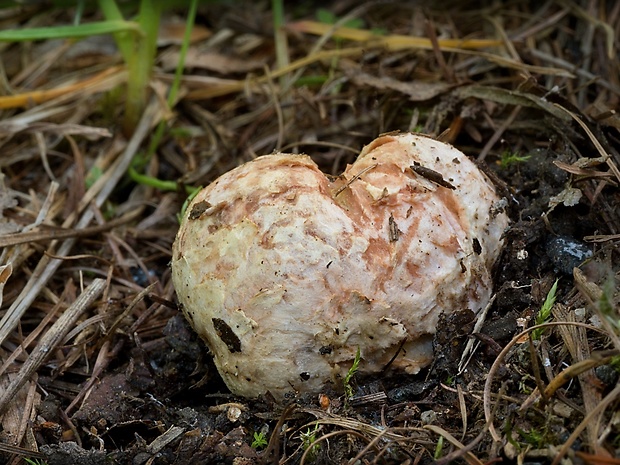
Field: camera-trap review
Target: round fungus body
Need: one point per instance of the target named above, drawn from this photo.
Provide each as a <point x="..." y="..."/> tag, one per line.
<point x="285" y="272"/>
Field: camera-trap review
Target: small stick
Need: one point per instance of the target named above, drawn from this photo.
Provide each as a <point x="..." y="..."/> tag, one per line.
<point x="355" y="178"/>
<point x="51" y="339"/>
<point x="63" y="233"/>
<point x="486" y="399"/>
<point x="431" y="175"/>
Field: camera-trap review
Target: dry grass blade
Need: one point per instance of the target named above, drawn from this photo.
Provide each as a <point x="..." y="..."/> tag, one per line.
<point x="593" y="295"/>
<point x="272" y="452"/>
<point x="21" y="413"/>
<point x="65" y="129"/>
<point x="570" y="67"/>
<point x="577" y="369"/>
<point x="567" y="375"/>
<point x="51" y="339"/>
<point x="325" y="437"/>
<point x="47" y="205"/>
<point x="580" y="171"/>
<point x="502" y="355"/>
<point x="138" y="298"/>
<point x="610" y="162"/>
<point x="101" y="362"/>
<point x="47" y="266"/>
<point x="103" y="81"/>
<point x="470" y="458"/>
<point x="472" y="344"/>
<point x="164" y="439"/>
<point x="608" y="400"/>
<point x="398" y="42"/>
<point x="352" y="424"/>
<point x="22" y="452"/>
<point x="602" y="238"/>
<point x="498" y="133"/>
<point x="354" y="178"/>
<point x="390" y="41"/>
<point x="36" y="333"/>
<point x="463" y="408"/>
<point x="365" y="450"/>
<point x="579" y="347"/>
<point x="54" y="234"/>
<point x="511" y="97"/>
<point x="610" y="35"/>
<point x="513" y="64"/>
<point x="250" y="83"/>
<point x="461" y="452"/>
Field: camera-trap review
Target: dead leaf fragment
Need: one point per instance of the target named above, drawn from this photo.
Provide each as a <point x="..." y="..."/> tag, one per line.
<point x="172" y="33"/>
<point x="417" y="91"/>
<point x="579" y="167"/>
<point x="569" y="197"/>
<point x="213" y="62"/>
<point x="510" y="97"/>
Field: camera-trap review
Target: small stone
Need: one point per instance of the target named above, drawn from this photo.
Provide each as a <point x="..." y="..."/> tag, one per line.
<point x="428" y="417"/>
<point x="567" y="253"/>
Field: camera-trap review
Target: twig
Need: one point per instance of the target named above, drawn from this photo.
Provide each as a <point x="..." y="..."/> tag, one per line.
<point x="47" y="266"/>
<point x="447" y="71"/>
<point x="51" y="339"/>
<point x="21" y="451"/>
<point x="54" y="234"/>
<point x="468" y="456"/>
<point x="272" y="452"/>
<point x="496" y="364"/>
<point x="34" y="334"/>
<point x="327" y="436"/>
<point x="355" y="178"/>
<point x="498" y="133"/>
<point x="607" y="400"/>
<point x="469" y="347"/>
<point x="612" y="166"/>
<point x="100" y="364"/>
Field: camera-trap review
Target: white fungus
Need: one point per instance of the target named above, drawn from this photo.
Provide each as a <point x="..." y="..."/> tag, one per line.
<point x="285" y="272"/>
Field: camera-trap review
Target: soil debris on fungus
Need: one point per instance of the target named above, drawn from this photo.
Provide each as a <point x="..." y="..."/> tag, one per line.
<point x="105" y="138"/>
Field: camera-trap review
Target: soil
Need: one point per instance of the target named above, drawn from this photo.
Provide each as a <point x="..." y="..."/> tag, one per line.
<point x="132" y="384"/>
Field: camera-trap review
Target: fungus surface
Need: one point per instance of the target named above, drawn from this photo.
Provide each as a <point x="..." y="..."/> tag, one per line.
<point x="285" y="272"/>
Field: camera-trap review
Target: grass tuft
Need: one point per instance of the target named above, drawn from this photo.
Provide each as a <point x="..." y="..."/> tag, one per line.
<point x="544" y="314"/>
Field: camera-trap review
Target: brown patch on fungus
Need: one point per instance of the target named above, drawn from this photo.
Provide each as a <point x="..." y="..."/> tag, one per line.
<point x="227" y="335"/>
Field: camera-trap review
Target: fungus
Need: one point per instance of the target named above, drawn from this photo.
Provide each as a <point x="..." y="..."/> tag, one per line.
<point x="285" y="272"/>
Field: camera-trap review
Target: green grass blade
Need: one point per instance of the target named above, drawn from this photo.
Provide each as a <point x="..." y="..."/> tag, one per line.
<point x="178" y="74"/>
<point x="348" y="390"/>
<point x="140" y="63"/>
<point x="544" y="313"/>
<point x="124" y="42"/>
<point x="67" y="32"/>
<point x="280" y="38"/>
